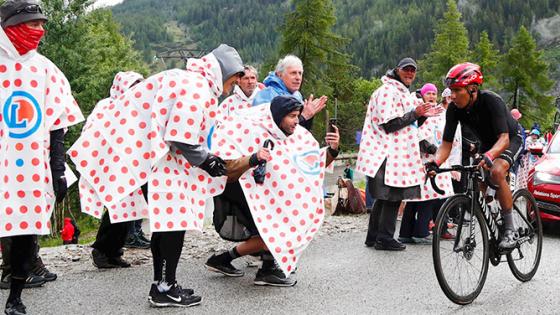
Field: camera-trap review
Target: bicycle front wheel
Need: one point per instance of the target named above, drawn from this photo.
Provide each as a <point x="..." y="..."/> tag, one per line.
<point x="460" y="250"/>
<point x="524" y="260"/>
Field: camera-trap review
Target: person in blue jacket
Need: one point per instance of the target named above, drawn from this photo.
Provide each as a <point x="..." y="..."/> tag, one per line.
<point x="286" y="80"/>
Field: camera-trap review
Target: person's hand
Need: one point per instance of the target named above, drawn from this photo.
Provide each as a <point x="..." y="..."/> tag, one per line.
<point x="312" y="106"/>
<point x="60" y="186"/>
<point x="263" y="155"/>
<point x="333" y="138"/>
<point x="487" y="161"/>
<point x="214" y="165"/>
<point x="456" y="176"/>
<point x="431" y="168"/>
<point x="422" y="109"/>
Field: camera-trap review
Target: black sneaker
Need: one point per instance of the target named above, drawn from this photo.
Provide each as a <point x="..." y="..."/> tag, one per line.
<point x="215" y="264"/>
<point x="175" y="296"/>
<point x="45" y="273"/>
<point x="389" y="244"/>
<point x="32" y="281"/>
<point x="508" y="240"/>
<point x="136" y="242"/>
<point x="15" y="307"/>
<point x="273" y="277"/>
<point x="142" y="237"/>
<point x="119" y="262"/>
<point x="154" y="290"/>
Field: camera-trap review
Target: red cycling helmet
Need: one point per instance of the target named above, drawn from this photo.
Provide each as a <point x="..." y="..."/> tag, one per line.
<point x="463" y="74"/>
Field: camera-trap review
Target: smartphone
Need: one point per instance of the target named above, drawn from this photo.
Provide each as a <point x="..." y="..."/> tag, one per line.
<point x="332" y="123"/>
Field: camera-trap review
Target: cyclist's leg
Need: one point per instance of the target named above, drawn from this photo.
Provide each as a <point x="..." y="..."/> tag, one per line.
<point x="498" y="175"/>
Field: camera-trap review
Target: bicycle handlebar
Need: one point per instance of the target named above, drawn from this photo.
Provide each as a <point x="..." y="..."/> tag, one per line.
<point x="454" y="168"/>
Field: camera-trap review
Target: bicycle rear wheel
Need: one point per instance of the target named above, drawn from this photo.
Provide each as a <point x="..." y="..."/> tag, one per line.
<point x="461" y="264"/>
<point x="525" y="259"/>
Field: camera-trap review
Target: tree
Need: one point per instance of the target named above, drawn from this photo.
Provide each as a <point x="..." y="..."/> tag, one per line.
<point x="307" y="33"/>
<point x="488" y="59"/>
<point x="526" y="79"/>
<point x="451" y="46"/>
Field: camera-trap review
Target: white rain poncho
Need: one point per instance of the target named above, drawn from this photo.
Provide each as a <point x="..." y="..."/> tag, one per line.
<point x="288" y="207"/>
<point x="237" y="101"/>
<point x="129" y="145"/>
<point x="36" y="99"/>
<point x="404" y="166"/>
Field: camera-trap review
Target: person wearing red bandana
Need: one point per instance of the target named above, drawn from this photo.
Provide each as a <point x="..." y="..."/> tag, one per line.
<point x="36" y="107"/>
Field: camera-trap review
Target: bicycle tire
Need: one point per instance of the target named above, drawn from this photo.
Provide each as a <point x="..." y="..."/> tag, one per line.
<point x="524" y="276"/>
<point x="442" y="277"/>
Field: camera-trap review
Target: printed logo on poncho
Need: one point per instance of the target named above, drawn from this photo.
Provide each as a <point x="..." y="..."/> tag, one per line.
<point x="308" y="162"/>
<point x="438" y="137"/>
<point x="22" y="114"/>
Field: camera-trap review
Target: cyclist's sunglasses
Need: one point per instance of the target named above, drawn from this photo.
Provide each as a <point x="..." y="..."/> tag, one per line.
<point x="32" y="8"/>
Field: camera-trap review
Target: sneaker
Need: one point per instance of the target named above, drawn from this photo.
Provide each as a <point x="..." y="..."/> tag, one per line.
<point x="136" y="242"/>
<point x="175" y="297"/>
<point x="45" y="273"/>
<point x="447" y="236"/>
<point x="215" y="264"/>
<point x="154" y="290"/>
<point x="389" y="244"/>
<point x="15" y="307"/>
<point x="119" y="262"/>
<point x="32" y="281"/>
<point x="142" y="237"/>
<point x="101" y="261"/>
<point x="273" y="277"/>
<point x="508" y="240"/>
<point x="422" y="240"/>
<point x="406" y="240"/>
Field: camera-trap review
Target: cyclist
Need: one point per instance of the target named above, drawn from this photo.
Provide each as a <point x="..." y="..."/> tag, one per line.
<point x="500" y="135"/>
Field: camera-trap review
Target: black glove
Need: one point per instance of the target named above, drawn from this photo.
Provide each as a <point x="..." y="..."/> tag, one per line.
<point x="60" y="186"/>
<point x="214" y="165"/>
<point x="431" y="166"/>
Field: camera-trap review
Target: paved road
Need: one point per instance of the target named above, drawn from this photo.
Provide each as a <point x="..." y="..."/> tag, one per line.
<point x="337" y="275"/>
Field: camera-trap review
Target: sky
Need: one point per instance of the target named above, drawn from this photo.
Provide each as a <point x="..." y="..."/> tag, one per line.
<point x="99" y="3"/>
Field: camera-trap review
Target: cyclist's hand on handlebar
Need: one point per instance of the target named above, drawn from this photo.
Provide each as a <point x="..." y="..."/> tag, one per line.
<point x="431" y="168"/>
<point x="486" y="161"/>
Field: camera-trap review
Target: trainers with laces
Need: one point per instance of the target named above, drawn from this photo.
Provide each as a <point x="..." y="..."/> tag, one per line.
<point x="15" y="307"/>
<point x="422" y="240"/>
<point x="142" y="237"/>
<point x="174" y="297"/>
<point x="136" y="242"/>
<point x="32" y="281"/>
<point x="508" y="240"/>
<point x="215" y="264"/>
<point x="45" y="273"/>
<point x="101" y="261"/>
<point x="273" y="277"/>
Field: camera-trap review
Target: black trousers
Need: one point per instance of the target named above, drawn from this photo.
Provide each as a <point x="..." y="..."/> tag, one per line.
<point x="21" y="255"/>
<point x="166" y="251"/>
<point x="111" y="237"/>
<point x="35" y="260"/>
<point x="382" y="220"/>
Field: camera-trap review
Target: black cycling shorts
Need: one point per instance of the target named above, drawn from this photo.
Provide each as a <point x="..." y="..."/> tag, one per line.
<point x="511" y="154"/>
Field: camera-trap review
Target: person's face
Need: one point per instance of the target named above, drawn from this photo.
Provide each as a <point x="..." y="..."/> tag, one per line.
<point x="292" y="77"/>
<point x="36" y="25"/>
<point x="248" y="83"/>
<point x="430" y="97"/>
<point x="534" y="136"/>
<point x="407" y="74"/>
<point x="229" y="84"/>
<point x="290" y="122"/>
<point x="460" y="96"/>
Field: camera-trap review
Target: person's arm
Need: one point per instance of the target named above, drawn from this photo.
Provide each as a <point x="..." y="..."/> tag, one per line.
<point x="333" y="139"/>
<point x="499" y="147"/>
<point x="399" y="123"/>
<point x="306" y="123"/>
<point x="443" y="152"/>
<point x="194" y="153"/>
<point x="236" y="168"/>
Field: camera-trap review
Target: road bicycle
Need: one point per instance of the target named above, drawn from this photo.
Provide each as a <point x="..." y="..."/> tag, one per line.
<point x="473" y="218"/>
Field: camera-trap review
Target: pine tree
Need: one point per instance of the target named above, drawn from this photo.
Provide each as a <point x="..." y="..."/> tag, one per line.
<point x="526" y="79"/>
<point x="451" y="46"/>
<point x="488" y="59"/>
<point x="307" y="33"/>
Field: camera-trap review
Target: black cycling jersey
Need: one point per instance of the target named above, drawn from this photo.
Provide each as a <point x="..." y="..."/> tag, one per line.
<point x="488" y="117"/>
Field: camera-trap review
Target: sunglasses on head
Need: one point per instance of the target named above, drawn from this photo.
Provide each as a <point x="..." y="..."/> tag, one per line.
<point x="32" y="8"/>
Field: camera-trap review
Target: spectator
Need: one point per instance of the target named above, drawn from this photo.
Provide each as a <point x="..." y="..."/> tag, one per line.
<point x="243" y="94"/>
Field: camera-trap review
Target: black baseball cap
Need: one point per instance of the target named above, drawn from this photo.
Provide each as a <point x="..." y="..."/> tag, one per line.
<point x="407" y="62"/>
<point x="14" y="12"/>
